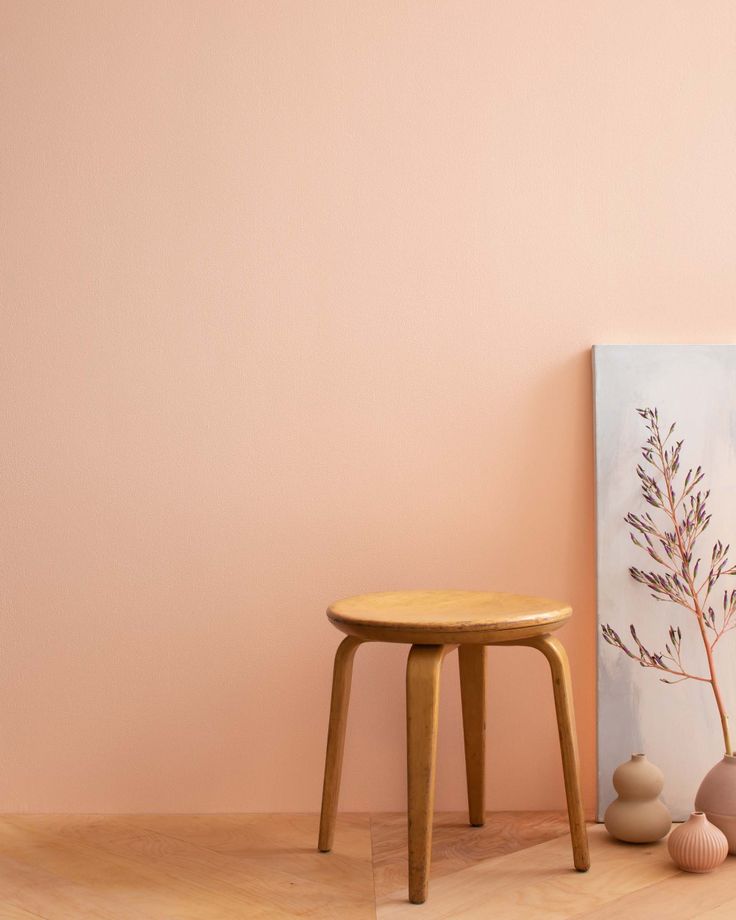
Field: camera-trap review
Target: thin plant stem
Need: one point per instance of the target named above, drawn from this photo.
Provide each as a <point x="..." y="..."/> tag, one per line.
<point x="674" y="551"/>
<point x="696" y="601"/>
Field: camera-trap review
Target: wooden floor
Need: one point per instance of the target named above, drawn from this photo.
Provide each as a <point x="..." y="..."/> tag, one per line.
<point x="222" y="867"/>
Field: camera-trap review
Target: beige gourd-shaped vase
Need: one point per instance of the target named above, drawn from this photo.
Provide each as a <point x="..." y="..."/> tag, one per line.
<point x="697" y="845"/>
<point x="637" y="815"/>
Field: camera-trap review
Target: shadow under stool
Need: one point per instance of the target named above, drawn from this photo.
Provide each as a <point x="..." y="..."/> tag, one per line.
<point x="435" y="623"/>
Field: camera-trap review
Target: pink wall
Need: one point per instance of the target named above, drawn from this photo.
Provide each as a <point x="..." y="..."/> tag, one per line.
<point x="298" y="302"/>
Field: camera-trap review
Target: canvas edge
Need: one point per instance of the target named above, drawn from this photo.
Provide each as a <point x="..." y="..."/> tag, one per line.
<point x="596" y="351"/>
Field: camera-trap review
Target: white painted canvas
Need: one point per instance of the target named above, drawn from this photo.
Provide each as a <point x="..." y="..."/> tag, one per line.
<point x="677" y="726"/>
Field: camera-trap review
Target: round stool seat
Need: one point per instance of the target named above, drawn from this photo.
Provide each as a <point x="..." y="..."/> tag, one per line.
<point x="446" y="617"/>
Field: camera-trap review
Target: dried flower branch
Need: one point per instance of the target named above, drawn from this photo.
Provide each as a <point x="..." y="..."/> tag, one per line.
<point x="672" y="545"/>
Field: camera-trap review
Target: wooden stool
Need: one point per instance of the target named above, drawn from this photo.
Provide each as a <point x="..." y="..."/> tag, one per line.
<point x="434" y="623"/>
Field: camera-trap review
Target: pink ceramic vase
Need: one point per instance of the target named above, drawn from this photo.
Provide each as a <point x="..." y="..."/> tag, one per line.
<point x="717" y="798"/>
<point x="697" y="845"/>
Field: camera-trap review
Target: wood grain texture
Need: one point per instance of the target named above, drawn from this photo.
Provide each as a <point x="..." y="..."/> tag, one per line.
<point x="681" y="896"/>
<point x="556" y="655"/>
<point x="9" y="912"/>
<point x="472" y="663"/>
<point x="535" y="884"/>
<point x="726" y="911"/>
<point x="422" y="711"/>
<point x="446" y="617"/>
<point x="430" y="620"/>
<point x="185" y="867"/>
<point x="341" y="679"/>
<point x="456" y="846"/>
<point x="255" y="867"/>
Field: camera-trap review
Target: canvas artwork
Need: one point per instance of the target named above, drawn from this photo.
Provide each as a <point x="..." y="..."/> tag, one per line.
<point x="655" y="695"/>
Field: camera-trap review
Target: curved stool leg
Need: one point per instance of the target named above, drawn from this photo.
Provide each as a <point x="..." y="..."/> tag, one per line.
<point x="341" y="678"/>
<point x="472" y="660"/>
<point x="555" y="653"/>
<point x="422" y="711"/>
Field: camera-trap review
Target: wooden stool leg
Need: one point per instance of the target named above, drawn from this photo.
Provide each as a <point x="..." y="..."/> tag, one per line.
<point x="341" y="678"/>
<point x="556" y="655"/>
<point x="422" y="710"/>
<point x="472" y="660"/>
